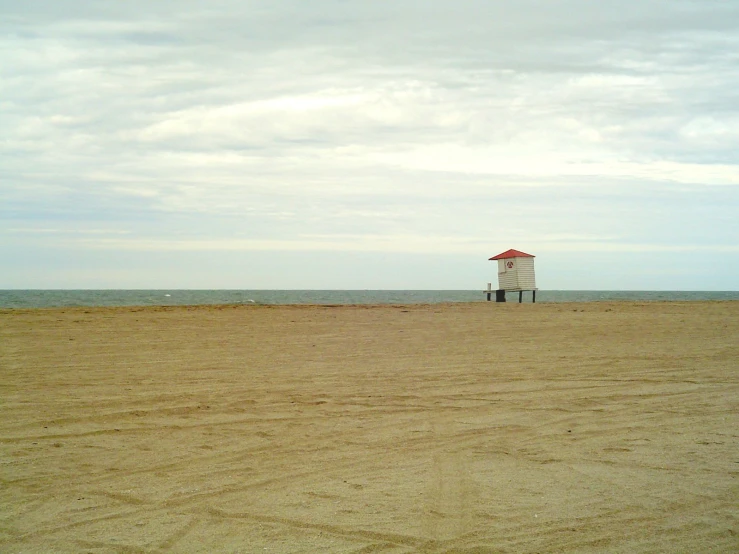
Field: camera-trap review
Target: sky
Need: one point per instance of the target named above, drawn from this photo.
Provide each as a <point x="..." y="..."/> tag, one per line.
<point x="347" y="144"/>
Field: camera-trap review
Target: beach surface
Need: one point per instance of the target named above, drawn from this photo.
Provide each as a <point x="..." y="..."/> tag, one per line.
<point x="483" y="427"/>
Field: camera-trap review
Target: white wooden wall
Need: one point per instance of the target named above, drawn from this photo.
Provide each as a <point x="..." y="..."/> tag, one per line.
<point x="525" y="274"/>
<point x="507" y="276"/>
<point x="519" y="277"/>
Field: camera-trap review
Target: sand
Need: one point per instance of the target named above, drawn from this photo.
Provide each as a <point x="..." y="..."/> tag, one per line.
<point x="600" y="427"/>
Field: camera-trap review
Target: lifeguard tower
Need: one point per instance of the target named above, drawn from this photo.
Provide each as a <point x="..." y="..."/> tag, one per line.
<point x="515" y="273"/>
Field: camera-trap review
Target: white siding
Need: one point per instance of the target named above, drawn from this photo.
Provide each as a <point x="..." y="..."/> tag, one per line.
<point x="519" y="277"/>
<point x="507" y="277"/>
<point x="525" y="273"/>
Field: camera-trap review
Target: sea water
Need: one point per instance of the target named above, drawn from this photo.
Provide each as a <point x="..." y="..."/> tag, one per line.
<point x="174" y="297"/>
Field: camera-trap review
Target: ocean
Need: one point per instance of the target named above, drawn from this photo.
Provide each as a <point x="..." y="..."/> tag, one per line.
<point x="91" y="298"/>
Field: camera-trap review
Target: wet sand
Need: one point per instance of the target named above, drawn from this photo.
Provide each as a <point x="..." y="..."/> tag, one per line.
<point x="600" y="427"/>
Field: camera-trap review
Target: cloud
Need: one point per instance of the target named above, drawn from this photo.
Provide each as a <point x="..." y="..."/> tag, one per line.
<point x="437" y="245"/>
<point x="253" y="123"/>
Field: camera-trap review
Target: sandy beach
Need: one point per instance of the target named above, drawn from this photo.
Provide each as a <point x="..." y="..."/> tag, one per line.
<point x="598" y="427"/>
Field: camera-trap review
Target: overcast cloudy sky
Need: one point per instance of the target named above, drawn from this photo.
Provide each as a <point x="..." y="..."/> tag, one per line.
<point x="368" y="144"/>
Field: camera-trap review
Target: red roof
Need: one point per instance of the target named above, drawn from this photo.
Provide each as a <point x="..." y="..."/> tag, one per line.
<point x="512" y="254"/>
